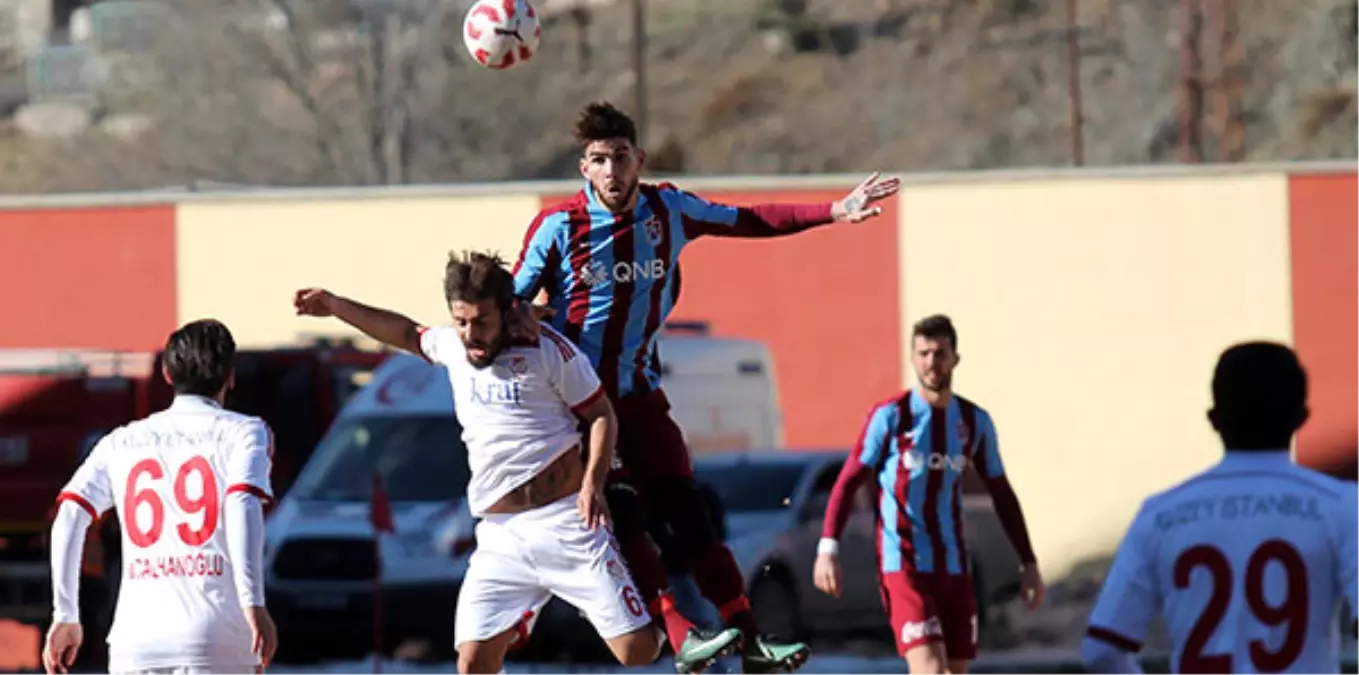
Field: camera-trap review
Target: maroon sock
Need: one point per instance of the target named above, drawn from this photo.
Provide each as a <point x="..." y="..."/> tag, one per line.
<point x="644" y="561"/>
<point x="719" y="579"/>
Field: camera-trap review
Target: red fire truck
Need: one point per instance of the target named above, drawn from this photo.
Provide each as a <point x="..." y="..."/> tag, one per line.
<point x="54" y="406"/>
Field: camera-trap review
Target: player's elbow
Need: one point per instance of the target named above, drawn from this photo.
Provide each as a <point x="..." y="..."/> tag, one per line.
<point x="1099" y="656"/>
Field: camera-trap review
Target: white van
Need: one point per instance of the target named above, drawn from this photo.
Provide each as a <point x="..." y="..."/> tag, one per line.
<point x="722" y="391"/>
<point x="319" y="558"/>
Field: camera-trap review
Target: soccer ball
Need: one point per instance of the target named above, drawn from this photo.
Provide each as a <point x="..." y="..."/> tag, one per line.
<point x="501" y="34"/>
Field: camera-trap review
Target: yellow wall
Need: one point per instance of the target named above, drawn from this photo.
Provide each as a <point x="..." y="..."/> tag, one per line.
<point x="241" y="261"/>
<point x="1090" y="315"/>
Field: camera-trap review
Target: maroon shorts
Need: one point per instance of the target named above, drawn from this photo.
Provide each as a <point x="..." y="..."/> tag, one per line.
<point x="926" y="608"/>
<point x="650" y="443"/>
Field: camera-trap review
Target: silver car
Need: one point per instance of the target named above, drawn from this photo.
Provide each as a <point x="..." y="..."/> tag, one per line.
<point x="774" y="504"/>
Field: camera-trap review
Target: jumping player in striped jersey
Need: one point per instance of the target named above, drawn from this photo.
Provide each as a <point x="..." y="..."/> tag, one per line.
<point x="608" y="262"/>
<point x="914" y="450"/>
<point x="1248" y="561"/>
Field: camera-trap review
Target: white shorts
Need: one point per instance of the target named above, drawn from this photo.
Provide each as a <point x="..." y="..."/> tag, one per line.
<point x="523" y="558"/>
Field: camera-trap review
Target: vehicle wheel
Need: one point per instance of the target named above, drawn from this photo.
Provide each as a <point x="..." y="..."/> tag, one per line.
<point x="776" y="609"/>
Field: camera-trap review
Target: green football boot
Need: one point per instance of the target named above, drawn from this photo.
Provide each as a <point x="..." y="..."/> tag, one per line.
<point x="766" y="656"/>
<point x="704" y="647"/>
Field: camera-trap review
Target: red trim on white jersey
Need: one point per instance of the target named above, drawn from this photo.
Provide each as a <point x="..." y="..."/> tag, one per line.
<point x="79" y="501"/>
<point x="248" y="489"/>
<point x="590" y="400"/>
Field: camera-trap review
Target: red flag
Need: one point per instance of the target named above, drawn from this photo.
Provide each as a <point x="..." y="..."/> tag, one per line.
<point x="380" y="510"/>
<point x="380" y="515"/>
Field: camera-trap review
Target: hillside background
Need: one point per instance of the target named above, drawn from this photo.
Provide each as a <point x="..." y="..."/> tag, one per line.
<point x="201" y="93"/>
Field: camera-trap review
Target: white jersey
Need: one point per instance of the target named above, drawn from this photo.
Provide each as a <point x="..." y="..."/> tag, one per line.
<point x="168" y="476"/>
<point x="1246" y="562"/>
<point x="517" y="414"/>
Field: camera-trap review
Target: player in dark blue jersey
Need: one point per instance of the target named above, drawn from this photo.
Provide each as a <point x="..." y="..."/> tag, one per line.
<point x="608" y="261"/>
<point x="913" y="452"/>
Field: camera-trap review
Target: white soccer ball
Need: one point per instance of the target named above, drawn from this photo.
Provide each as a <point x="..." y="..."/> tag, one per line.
<point x="501" y="34"/>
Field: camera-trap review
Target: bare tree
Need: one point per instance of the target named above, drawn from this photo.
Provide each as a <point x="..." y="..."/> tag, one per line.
<point x="326" y="92"/>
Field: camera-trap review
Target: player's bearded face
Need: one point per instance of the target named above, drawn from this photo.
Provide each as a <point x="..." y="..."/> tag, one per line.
<point x="482" y="329"/>
<point x="934" y="360"/>
<point x="612" y="167"/>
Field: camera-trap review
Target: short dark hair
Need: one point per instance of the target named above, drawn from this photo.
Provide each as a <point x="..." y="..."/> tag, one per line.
<point x="1259" y="395"/>
<point x="936" y="327"/>
<point x="473" y="277"/>
<point x="601" y="121"/>
<point x="199" y="358"/>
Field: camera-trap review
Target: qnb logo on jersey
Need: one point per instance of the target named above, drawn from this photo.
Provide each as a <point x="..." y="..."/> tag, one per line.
<point x="913" y="631"/>
<point x="915" y="459"/>
<point x="497" y="393"/>
<point x="597" y="273"/>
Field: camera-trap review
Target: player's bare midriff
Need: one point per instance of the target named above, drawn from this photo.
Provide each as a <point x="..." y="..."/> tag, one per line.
<point x="559" y="479"/>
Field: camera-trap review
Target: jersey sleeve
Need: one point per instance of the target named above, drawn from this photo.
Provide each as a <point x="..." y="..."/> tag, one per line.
<point x="571" y="373"/>
<point x="251" y="460"/>
<point x="440" y="344"/>
<point x="872" y="445"/>
<point x="91" y="487"/>
<point x="987" y="452"/>
<point x="868" y="452"/>
<point x="540" y="256"/>
<point x="1129" y="599"/>
<point x="702" y="217"/>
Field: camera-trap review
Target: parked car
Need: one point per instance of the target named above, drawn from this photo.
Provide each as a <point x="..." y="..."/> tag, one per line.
<point x="775" y="502"/>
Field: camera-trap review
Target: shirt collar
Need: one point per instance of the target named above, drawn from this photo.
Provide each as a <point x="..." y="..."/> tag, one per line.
<point x="597" y="207"/>
<point x="193" y="402"/>
<point x="1257" y="457"/>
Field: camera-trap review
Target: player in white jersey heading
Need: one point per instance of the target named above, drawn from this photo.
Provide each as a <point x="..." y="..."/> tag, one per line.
<point x="187" y="484"/>
<point x="543" y="528"/>
<point x="1246" y="562"/>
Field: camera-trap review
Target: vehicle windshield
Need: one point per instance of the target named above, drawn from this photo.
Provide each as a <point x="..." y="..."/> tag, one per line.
<point x="420" y="458"/>
<point x="752" y="487"/>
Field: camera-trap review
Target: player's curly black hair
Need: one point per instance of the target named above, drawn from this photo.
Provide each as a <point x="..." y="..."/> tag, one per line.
<point x="472" y="277"/>
<point x="601" y="121"/>
<point x="936" y="327"/>
<point x="1259" y="396"/>
<point x="199" y="358"/>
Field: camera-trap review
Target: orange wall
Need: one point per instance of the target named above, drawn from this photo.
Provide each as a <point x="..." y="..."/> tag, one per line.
<point x="88" y="278"/>
<point x="1324" y="238"/>
<point x="826" y="303"/>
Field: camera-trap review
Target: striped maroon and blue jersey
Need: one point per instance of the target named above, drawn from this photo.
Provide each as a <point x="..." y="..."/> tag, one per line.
<point x="915" y="455"/>
<point x="613" y="278"/>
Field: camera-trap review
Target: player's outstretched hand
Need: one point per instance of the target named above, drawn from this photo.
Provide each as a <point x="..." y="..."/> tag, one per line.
<point x="263" y="633"/>
<point x="314" y="302"/>
<point x="860" y="204"/>
<point x="1031" y="586"/>
<point x="594" y="509"/>
<point x="827" y="576"/>
<point x="63" y="641"/>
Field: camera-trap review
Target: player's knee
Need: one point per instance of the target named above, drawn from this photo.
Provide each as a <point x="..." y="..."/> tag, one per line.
<point x="926" y="658"/>
<point x="639" y="648"/>
<point x="478" y="657"/>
